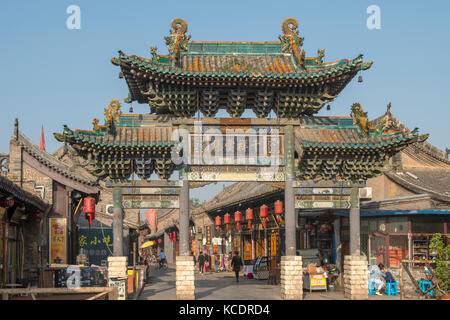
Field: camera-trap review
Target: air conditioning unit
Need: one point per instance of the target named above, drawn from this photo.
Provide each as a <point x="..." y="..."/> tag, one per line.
<point x="109" y="209"/>
<point x="365" y="193"/>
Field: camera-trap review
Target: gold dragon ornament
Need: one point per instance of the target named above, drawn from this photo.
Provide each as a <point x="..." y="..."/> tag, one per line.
<point x="112" y="113"/>
<point x="360" y="118"/>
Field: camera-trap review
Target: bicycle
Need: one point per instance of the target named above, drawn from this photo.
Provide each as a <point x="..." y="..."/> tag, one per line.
<point x="163" y="265"/>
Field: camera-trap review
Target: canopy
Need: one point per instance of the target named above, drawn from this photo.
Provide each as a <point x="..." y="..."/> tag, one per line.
<point x="147" y="244"/>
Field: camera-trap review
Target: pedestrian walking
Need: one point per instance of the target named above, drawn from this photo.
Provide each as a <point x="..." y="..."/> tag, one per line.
<point x="201" y="262"/>
<point x="236" y="264"/>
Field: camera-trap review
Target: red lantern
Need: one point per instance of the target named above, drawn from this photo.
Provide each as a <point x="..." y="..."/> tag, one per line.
<point x="237" y="218"/>
<point x="174" y="236"/>
<point x="278" y="209"/>
<point x="170" y="237"/>
<point x="249" y="217"/>
<point x="159" y="240"/>
<point x="263" y="214"/>
<point x="227" y="219"/>
<point x="89" y="208"/>
<point x="218" y="223"/>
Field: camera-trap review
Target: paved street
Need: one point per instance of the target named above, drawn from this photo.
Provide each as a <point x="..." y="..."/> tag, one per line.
<point x="223" y="286"/>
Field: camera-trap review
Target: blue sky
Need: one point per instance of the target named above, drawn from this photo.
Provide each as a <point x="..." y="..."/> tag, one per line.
<point x="51" y="75"/>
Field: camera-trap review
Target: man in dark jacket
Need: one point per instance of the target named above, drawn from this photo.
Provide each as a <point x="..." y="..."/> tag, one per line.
<point x="236" y="264"/>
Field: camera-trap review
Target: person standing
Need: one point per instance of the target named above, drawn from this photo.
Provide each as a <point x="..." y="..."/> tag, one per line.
<point x="236" y="264"/>
<point x="201" y="262"/>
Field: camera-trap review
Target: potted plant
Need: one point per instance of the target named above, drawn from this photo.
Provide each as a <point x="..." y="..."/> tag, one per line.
<point x="442" y="254"/>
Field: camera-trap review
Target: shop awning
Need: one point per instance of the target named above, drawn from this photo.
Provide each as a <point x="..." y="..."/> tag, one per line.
<point x="396" y="213"/>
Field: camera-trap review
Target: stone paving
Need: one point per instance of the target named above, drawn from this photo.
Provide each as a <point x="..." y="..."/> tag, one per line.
<point x="223" y="286"/>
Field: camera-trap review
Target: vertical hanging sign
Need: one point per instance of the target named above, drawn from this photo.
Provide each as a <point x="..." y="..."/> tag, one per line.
<point x="208" y="235"/>
<point x="58" y="238"/>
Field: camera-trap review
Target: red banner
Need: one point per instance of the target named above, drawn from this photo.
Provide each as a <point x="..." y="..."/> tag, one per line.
<point x="152" y="219"/>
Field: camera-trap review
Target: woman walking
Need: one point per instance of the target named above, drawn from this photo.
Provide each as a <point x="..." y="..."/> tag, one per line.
<point x="201" y="262"/>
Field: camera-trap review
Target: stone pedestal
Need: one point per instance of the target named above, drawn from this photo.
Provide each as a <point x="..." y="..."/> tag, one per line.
<point x="185" y="278"/>
<point x="117" y="275"/>
<point x="355" y="278"/>
<point x="117" y="267"/>
<point x="291" y="278"/>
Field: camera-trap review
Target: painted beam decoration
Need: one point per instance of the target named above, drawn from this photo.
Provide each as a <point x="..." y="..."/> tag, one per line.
<point x="324" y="194"/>
<point x="151" y="204"/>
<point x="235" y="173"/>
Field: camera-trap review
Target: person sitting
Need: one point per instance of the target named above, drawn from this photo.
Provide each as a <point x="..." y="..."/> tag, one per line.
<point x="388" y="275"/>
<point x="376" y="276"/>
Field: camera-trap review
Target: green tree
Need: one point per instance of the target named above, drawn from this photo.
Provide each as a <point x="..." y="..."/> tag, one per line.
<point x="194" y="202"/>
<point x="442" y="262"/>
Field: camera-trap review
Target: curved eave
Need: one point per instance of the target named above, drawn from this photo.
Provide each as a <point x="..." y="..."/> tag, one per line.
<point x="79" y="139"/>
<point x="387" y="141"/>
<point x="161" y="71"/>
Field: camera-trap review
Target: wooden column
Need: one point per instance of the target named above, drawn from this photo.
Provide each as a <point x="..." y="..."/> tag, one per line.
<point x="117" y="222"/>
<point x="337" y="240"/>
<point x="354" y="220"/>
<point x="289" y="197"/>
<point x="184" y="218"/>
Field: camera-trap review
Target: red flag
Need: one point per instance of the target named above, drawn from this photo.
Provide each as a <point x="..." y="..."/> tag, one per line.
<point x="152" y="219"/>
<point x="42" y="139"/>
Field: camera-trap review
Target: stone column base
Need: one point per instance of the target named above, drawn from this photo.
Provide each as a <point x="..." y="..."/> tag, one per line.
<point x="185" y="278"/>
<point x="117" y="267"/>
<point x="355" y="278"/>
<point x="118" y="274"/>
<point x="291" y="278"/>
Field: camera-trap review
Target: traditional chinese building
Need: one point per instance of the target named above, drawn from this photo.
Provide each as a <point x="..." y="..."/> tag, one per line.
<point x="21" y="214"/>
<point x="298" y="149"/>
<point x="52" y="186"/>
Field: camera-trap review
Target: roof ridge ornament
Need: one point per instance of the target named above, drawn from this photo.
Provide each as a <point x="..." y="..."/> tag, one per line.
<point x="177" y="41"/>
<point x="291" y="40"/>
<point x="360" y="118"/>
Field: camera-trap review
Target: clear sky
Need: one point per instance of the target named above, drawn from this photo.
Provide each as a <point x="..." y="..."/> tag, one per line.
<point x="51" y="75"/>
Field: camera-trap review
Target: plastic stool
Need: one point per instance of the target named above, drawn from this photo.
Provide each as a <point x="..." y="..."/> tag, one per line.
<point x="391" y="288"/>
<point x="372" y="288"/>
<point x="425" y="285"/>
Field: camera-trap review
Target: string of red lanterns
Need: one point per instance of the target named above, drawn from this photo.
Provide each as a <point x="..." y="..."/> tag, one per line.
<point x="263" y="214"/>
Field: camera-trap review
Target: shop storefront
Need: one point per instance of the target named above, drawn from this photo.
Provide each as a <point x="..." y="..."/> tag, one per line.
<point x="389" y="237"/>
